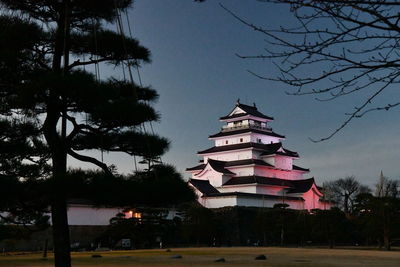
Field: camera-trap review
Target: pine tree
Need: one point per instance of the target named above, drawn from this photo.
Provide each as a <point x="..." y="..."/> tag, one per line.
<point x="52" y="109"/>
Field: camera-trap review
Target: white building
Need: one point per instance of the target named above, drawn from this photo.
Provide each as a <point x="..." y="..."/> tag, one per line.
<point x="248" y="166"/>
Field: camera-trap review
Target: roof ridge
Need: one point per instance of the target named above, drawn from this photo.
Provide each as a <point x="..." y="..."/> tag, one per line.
<point x="216" y="160"/>
<point x="245" y="105"/>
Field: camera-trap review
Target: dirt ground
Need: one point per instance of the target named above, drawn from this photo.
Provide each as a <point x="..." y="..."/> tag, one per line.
<point x="236" y="256"/>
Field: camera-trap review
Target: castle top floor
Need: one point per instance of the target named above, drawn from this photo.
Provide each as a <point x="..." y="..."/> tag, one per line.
<point x="245" y="116"/>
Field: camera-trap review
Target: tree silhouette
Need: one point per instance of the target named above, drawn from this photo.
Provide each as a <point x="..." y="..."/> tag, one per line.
<point x="387" y="187"/>
<point x="343" y="191"/>
<point x="336" y="48"/>
<point x="379" y="216"/>
<point x="53" y="108"/>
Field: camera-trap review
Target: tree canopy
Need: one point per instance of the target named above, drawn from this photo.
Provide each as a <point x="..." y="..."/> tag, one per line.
<point x="53" y="107"/>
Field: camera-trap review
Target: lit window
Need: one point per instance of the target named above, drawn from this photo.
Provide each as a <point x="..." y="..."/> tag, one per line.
<point x="133" y="214"/>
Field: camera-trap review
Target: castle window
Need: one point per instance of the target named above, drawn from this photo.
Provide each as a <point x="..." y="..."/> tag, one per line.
<point x="226" y="142"/>
<point x="241" y="140"/>
<point x="258" y="140"/>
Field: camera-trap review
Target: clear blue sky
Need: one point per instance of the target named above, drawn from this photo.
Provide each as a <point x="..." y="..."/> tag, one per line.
<point x="199" y="78"/>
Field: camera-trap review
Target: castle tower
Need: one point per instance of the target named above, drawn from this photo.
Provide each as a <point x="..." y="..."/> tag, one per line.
<point x="248" y="166"/>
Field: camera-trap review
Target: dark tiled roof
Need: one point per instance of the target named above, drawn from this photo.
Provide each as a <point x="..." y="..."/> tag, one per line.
<point x="273" y="149"/>
<point x="295" y="167"/>
<point x="226" y="148"/>
<point x="252" y="195"/>
<point x="268" y="149"/>
<point x="204" y="186"/>
<point x="247" y="162"/>
<point x="249" y="110"/>
<point x="296" y="186"/>
<point x="219" y="166"/>
<point x="258" y="180"/>
<point x="248" y="130"/>
<point x="301" y="186"/>
<point x="196" y="168"/>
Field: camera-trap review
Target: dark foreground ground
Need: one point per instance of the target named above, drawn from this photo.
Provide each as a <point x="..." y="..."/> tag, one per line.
<point x="237" y="256"/>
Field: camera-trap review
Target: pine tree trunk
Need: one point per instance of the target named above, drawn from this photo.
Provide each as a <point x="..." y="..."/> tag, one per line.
<point x="57" y="145"/>
<point x="61" y="239"/>
<point x="59" y="215"/>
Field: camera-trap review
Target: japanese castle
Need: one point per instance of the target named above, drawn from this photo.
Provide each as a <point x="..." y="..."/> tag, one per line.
<point x="249" y="166"/>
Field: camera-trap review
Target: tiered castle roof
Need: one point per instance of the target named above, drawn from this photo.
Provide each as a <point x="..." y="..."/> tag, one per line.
<point x="266" y="149"/>
<point x="248" y="111"/>
<point x="248" y="161"/>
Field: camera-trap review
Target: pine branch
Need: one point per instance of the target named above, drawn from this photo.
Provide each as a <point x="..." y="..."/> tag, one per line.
<point x="94" y="161"/>
<point x="77" y="63"/>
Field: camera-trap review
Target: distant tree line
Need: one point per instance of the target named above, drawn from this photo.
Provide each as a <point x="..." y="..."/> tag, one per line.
<point x="360" y="218"/>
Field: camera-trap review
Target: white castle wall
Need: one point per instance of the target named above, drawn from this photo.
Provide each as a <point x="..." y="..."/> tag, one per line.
<point x="88" y="215"/>
<point x="269" y="160"/>
<point x="269" y="190"/>
<point x="239" y="188"/>
<point x="272" y="173"/>
<point x="254" y="170"/>
<point x="246" y="138"/>
<point x="219" y="202"/>
<point x="230" y="155"/>
<point x="265" y="139"/>
<point x="216" y="179"/>
<point x="233" y="140"/>
<point x="242" y="171"/>
<point x="255" y="189"/>
<point x="285" y="163"/>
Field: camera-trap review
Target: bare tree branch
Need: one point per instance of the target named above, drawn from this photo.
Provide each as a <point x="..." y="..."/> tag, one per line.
<point x="350" y="46"/>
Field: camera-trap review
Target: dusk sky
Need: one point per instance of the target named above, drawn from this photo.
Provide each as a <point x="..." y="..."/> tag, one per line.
<point x="199" y="79"/>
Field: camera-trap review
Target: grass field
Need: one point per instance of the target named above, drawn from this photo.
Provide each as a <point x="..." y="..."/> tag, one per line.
<point x="237" y="256"/>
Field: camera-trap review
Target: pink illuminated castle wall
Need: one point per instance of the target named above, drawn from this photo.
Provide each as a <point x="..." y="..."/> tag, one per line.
<point x="248" y="166"/>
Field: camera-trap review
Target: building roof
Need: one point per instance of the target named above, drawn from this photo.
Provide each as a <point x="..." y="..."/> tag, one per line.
<point x="297" y="168"/>
<point x="196" y="168"/>
<point x="219" y="166"/>
<point x="242" y="162"/>
<point x="268" y="149"/>
<point x="277" y="148"/>
<point x="249" y="110"/>
<point x="246" y="130"/>
<point x="296" y="186"/>
<point x="208" y="190"/>
<point x="253" y="195"/>
<point x="226" y="148"/>
<point x="203" y="186"/>
<point x="239" y="180"/>
<point x="301" y="186"/>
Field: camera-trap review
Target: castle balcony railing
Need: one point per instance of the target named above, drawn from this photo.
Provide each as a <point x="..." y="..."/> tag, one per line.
<point x="245" y="126"/>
